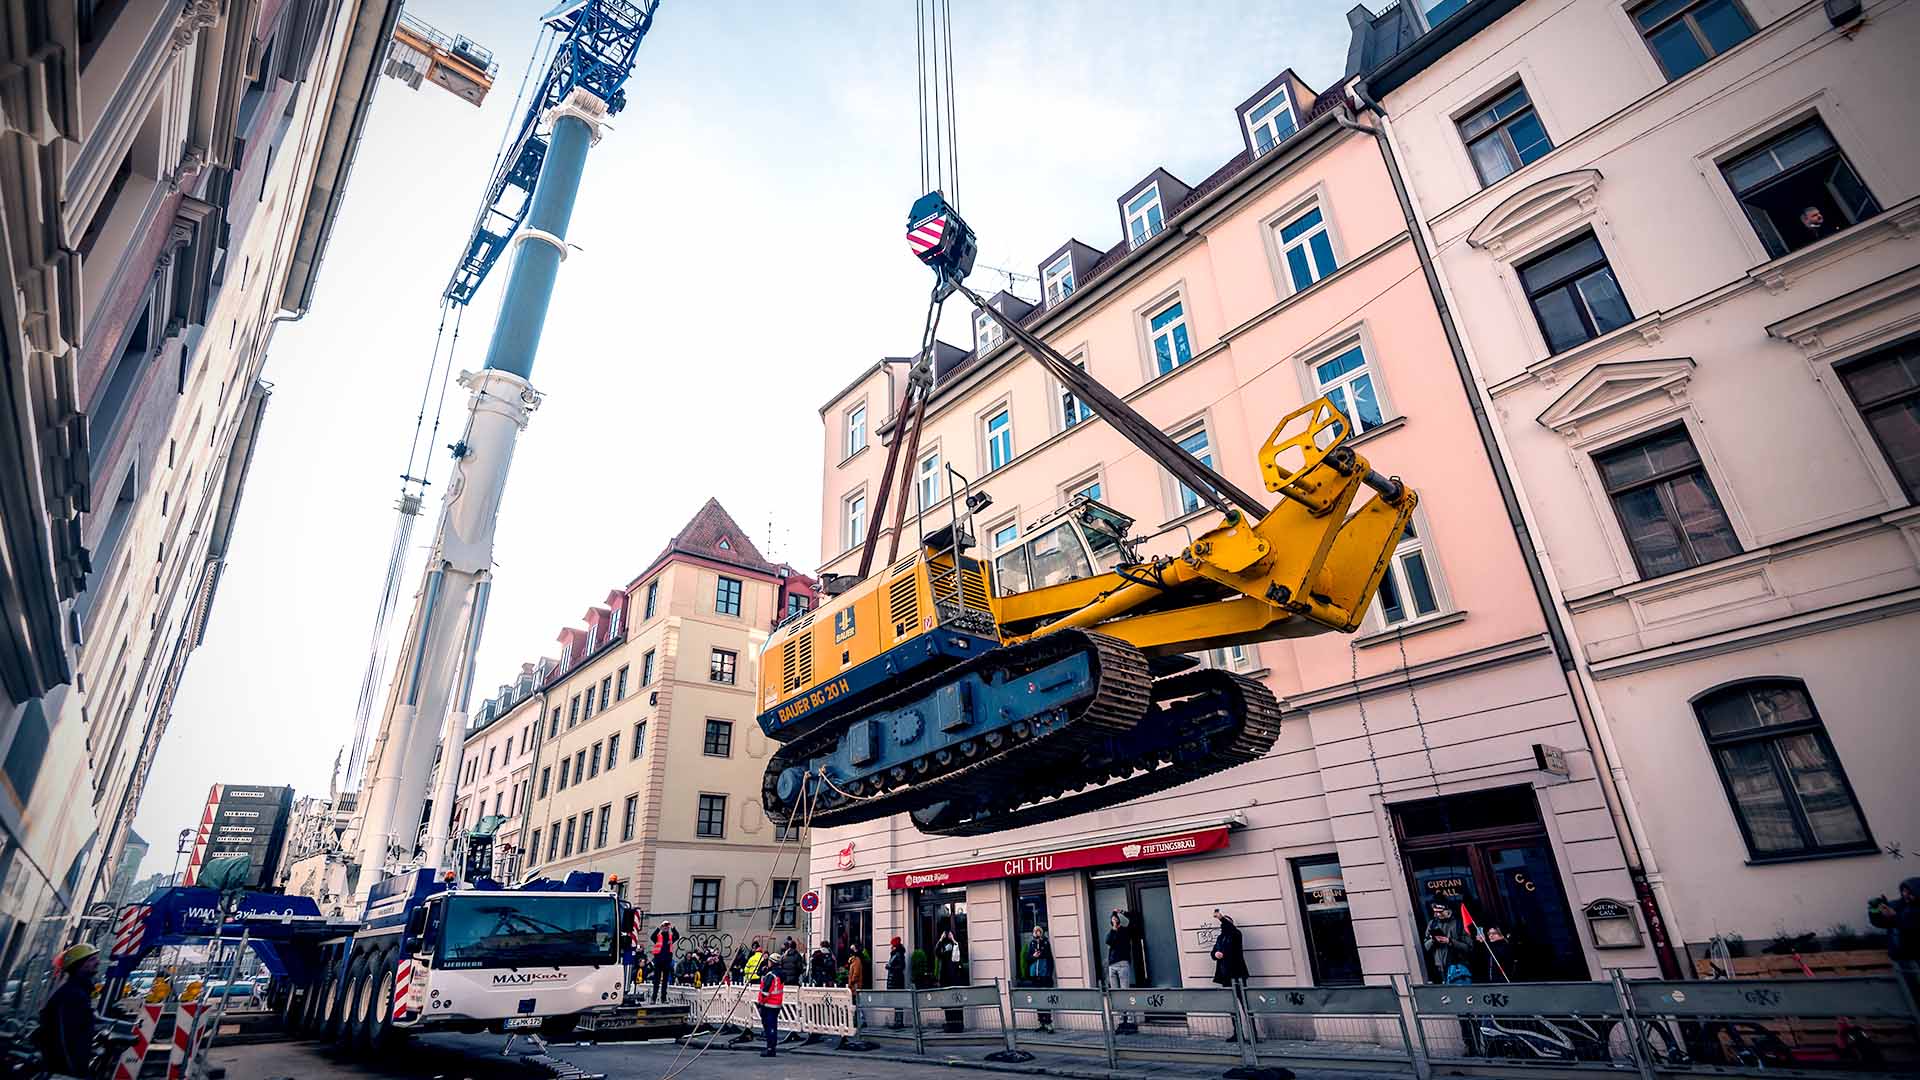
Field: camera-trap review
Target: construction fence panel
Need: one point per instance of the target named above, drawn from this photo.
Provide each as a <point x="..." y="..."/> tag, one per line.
<point x="888" y="1017"/>
<point x="1334" y="1022"/>
<point x="1150" y="1022"/>
<point x="1563" y="1025"/>
<point x="818" y="1010"/>
<point x="960" y="1014"/>
<point x="1061" y="1019"/>
<point x="1855" y="1025"/>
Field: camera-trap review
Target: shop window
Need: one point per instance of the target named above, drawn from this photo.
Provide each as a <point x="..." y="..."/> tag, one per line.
<point x="937" y="912"/>
<point x="1326" y="921"/>
<point x="850" y="924"/>
<point x="1799" y="188"/>
<point x="1782" y="777"/>
<point x="1153" y="939"/>
<point x="1886" y="388"/>
<point x="1029" y="911"/>
<point x="1666" y="504"/>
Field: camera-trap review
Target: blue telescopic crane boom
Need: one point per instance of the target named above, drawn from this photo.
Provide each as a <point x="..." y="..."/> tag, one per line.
<point x="532" y="194"/>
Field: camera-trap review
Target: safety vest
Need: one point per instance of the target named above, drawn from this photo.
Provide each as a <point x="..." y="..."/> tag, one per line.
<point x="772" y="990"/>
<point x="753" y="965"/>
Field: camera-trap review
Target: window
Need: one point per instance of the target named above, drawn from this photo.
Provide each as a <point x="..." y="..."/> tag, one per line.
<point x="1347" y="379"/>
<point x="639" y="739"/>
<point x="1798" y="188"/>
<point x="653" y="599"/>
<point x="553" y="841"/>
<point x="1231" y="658"/>
<point x="1306" y="249"/>
<point x="593" y="762"/>
<point x="606" y="692"/>
<point x="986" y="332"/>
<point x="856" y="429"/>
<point x="1088" y="486"/>
<point x="580" y="766"/>
<point x="786" y="902"/>
<point x="999" y="438"/>
<point x="796" y="604"/>
<point x="1168" y="332"/>
<point x="1194" y="442"/>
<point x="546" y="774"/>
<point x="929" y="477"/>
<point x="1006" y="534"/>
<point x="1406" y="590"/>
<point x="533" y="850"/>
<point x="853" y="519"/>
<point x="1785" y="784"/>
<point x="719" y="741"/>
<point x="1143" y="216"/>
<point x="1270" y="122"/>
<point x="566" y="770"/>
<point x="785" y="832"/>
<point x="1057" y="279"/>
<point x="600" y="834"/>
<point x="1684" y="34"/>
<point x="587" y="713"/>
<point x="629" y="818"/>
<point x="726" y="596"/>
<point x="646" y="669"/>
<point x="1666" y="503"/>
<point x="1573" y="294"/>
<point x="586" y="830"/>
<point x="713" y="816"/>
<point x="1504" y="135"/>
<point x="573" y="711"/>
<point x="491" y="751"/>
<point x="620" y="684"/>
<point x="613" y="751"/>
<point x="566" y="849"/>
<point x="1322" y="890"/>
<point x="1886" y="388"/>
<point x="1072" y="409"/>
<point x="704" y="909"/>
<point x="554" y="714"/>
<point x="720" y="668"/>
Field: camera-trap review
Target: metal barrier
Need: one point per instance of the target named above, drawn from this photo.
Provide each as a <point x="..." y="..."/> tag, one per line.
<point x="1856" y="1025"/>
<point x="1154" y="1023"/>
<point x="1567" y="1025"/>
<point x="888" y="1017"/>
<point x="960" y="1015"/>
<point x="1352" y="1023"/>
<point x="1075" y="1021"/>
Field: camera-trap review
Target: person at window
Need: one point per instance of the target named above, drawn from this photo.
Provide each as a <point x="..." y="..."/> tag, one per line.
<point x="1448" y="948"/>
<point x="665" y="937"/>
<point x="1120" y="934"/>
<point x="1900" y="918"/>
<point x="1230" y="963"/>
<point x="897" y="975"/>
<point x="1814" y="220"/>
<point x="1502" y="964"/>
<point x="65" y="1034"/>
<point x="1039" y="957"/>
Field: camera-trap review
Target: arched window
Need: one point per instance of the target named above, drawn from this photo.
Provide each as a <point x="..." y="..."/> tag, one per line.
<point x="1785" y="782"/>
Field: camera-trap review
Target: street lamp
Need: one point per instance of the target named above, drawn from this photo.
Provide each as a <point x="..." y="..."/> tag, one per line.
<point x="184" y="845"/>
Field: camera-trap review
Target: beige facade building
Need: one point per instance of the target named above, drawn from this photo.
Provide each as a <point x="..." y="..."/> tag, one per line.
<point x="169" y="174"/>
<point x="1406" y="769"/>
<point x="1691" y="290"/>
<point x="636" y="754"/>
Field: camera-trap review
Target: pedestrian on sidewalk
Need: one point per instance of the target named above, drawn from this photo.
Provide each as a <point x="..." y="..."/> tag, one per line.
<point x="665" y="937"/>
<point x="754" y="962"/>
<point x="793" y="966"/>
<point x="1040" y="969"/>
<point x="897" y="975"/>
<point x="856" y="969"/>
<point x="65" y="1034"/>
<point x="737" y="970"/>
<point x="1120" y="934"/>
<point x="772" y="993"/>
<point x="1230" y="965"/>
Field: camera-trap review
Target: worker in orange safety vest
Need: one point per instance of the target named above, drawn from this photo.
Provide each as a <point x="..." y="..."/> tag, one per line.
<point x="772" y="992"/>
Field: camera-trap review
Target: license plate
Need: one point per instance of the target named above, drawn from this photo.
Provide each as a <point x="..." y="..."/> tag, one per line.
<point x="521" y="1023"/>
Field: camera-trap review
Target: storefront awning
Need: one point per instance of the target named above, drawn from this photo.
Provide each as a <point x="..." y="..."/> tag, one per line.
<point x="1146" y="848"/>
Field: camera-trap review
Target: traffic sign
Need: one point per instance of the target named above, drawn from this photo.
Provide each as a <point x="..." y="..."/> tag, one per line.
<point x="810" y="903"/>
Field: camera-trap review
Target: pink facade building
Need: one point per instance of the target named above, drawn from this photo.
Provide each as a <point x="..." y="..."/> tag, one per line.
<point x="1409" y="767"/>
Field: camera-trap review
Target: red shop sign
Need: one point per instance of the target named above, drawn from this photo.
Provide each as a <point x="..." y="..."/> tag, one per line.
<point x="1157" y="847"/>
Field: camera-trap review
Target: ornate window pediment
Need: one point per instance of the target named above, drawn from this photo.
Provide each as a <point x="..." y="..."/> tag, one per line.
<point x="1542" y="209"/>
<point x="1598" y="401"/>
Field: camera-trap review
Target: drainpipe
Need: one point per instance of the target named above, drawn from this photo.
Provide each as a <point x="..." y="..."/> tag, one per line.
<point x="533" y="774"/>
<point x="1614" y="785"/>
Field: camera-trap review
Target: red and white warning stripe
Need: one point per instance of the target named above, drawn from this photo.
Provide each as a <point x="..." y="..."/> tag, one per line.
<point x="403" y="990"/>
<point x="925" y="236"/>
<point x="129" y="1065"/>
<point x="131" y="930"/>
<point x="185" y="1022"/>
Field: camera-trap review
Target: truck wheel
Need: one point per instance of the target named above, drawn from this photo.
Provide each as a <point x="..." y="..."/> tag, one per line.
<point x="385" y="1037"/>
<point x="334" y="1009"/>
<point x="379" y="1015"/>
<point x="352" y="1008"/>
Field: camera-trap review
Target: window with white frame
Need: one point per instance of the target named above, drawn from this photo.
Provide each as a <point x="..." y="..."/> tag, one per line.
<point x="986" y="332"/>
<point x="1144" y="219"/>
<point x="1347" y="379"/>
<point x="1271" y="121"/>
<point x="929" y="476"/>
<point x="856" y="430"/>
<point x="1407" y="591"/>
<point x="1231" y="658"/>
<point x="1086" y="485"/>
<point x="1072" y="409"/>
<point x="1167" y="329"/>
<point x="1194" y="441"/>
<point x="1057" y="279"/>
<point x="1306" y="248"/>
<point x="853" y="519"/>
<point x="999" y="437"/>
<point x="1005" y="533"/>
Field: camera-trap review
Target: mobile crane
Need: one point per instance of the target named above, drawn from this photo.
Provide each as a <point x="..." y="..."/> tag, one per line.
<point x="983" y="697"/>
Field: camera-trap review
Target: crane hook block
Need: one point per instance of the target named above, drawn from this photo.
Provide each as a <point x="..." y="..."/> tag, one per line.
<point x="940" y="238"/>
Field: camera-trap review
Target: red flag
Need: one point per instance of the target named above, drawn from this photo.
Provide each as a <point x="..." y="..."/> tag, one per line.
<point x="1466" y="920"/>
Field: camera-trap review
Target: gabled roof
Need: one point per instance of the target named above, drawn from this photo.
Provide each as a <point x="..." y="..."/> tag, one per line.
<point x="713" y="535"/>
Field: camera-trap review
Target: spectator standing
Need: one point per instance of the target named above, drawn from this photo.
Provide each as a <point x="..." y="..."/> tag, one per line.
<point x="1230" y="964"/>
<point x="665" y="937"/>
<point x="1120" y="932"/>
<point x="1040" y="969"/>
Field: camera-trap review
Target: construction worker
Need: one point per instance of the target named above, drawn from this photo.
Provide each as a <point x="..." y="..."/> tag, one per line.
<point x="65" y="1035"/>
<point x="772" y="991"/>
<point x="753" y="962"/>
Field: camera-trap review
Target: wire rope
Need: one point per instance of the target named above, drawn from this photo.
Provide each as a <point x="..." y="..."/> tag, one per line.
<point x="446" y="374"/>
<point x="920" y="81"/>
<point x="426" y="389"/>
<point x="953" y="108"/>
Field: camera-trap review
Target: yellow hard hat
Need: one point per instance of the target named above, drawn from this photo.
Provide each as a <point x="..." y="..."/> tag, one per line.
<point x="74" y="954"/>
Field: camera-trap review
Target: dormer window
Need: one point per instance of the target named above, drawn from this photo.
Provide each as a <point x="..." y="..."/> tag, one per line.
<point x="1270" y="122"/>
<point x="1058" y="279"/>
<point x="1144" y="219"/>
<point x="986" y="332"/>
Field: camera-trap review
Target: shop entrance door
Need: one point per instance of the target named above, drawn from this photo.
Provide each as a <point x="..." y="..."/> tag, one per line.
<point x="1147" y="900"/>
<point x="850" y="921"/>
<point x="1489" y="852"/>
<point x="938" y="911"/>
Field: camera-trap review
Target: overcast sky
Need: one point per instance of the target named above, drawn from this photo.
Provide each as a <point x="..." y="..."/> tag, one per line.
<point x="742" y="259"/>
